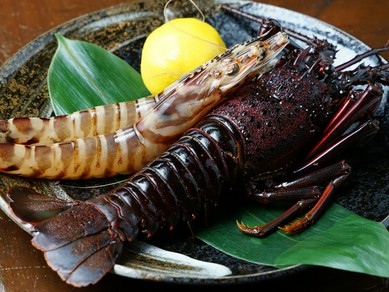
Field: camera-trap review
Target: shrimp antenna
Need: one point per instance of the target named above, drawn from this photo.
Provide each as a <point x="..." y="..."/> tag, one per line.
<point x="191" y="1"/>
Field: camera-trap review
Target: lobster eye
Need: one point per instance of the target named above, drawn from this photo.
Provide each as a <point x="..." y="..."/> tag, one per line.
<point x="233" y="69"/>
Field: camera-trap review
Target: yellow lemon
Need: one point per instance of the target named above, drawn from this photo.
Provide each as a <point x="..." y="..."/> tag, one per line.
<point x="176" y="48"/>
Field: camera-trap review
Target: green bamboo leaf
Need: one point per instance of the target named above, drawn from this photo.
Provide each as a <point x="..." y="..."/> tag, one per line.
<point x="83" y="75"/>
<point x="340" y="239"/>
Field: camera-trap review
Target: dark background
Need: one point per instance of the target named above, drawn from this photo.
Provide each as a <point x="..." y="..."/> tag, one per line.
<point x="22" y="268"/>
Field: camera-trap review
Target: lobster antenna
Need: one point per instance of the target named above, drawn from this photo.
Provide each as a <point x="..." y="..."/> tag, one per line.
<point x="92" y="186"/>
<point x="258" y="19"/>
<point x="363" y="56"/>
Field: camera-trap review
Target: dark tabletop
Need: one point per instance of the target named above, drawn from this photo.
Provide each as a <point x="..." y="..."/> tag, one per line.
<point x="22" y="268"/>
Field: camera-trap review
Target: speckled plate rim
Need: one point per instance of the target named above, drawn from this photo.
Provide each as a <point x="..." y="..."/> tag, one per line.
<point x="305" y="24"/>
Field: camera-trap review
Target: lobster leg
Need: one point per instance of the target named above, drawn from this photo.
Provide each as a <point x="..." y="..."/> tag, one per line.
<point x="357" y="106"/>
<point x="264" y="230"/>
<point x="306" y="189"/>
<point x="321" y="205"/>
<point x="361" y="134"/>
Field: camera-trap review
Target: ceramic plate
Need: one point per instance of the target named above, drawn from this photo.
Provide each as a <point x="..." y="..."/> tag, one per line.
<point x="123" y="29"/>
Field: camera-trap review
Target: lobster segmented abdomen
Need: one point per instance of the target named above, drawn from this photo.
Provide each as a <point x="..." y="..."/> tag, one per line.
<point x="187" y="178"/>
<point x="83" y="242"/>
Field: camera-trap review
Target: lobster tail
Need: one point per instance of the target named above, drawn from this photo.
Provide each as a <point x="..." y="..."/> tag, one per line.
<point x="80" y="243"/>
<point x="29" y="206"/>
<point x="82" y="240"/>
<point x="85" y="260"/>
